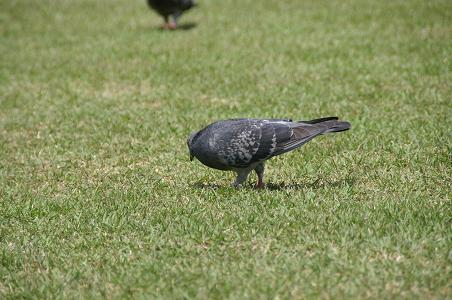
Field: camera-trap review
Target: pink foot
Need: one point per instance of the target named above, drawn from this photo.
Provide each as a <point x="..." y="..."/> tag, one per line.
<point x="172" y="25"/>
<point x="169" y="26"/>
<point x="260" y="185"/>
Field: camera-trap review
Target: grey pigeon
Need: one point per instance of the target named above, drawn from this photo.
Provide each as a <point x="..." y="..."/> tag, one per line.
<point x="243" y="145"/>
<point x="173" y="8"/>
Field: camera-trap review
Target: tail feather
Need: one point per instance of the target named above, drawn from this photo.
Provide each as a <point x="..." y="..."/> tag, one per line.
<point x="304" y="131"/>
<point x="328" y="124"/>
<point x="336" y="126"/>
<point x="315" y="121"/>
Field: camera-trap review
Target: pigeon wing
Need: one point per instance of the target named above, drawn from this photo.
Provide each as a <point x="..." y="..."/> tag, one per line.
<point x="301" y="134"/>
<point x="252" y="141"/>
<point x="272" y="134"/>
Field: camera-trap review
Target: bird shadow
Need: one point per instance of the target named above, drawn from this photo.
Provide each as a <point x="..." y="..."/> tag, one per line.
<point x="319" y="183"/>
<point x="181" y="27"/>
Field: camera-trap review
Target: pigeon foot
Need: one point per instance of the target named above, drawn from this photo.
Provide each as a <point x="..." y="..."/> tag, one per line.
<point x="172" y="25"/>
<point x="260" y="186"/>
<point x="169" y="26"/>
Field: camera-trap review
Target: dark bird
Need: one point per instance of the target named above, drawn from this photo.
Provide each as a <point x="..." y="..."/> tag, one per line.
<point x="171" y="8"/>
<point x="243" y="145"/>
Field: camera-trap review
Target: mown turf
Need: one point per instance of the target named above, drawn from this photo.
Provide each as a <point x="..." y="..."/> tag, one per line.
<point x="98" y="198"/>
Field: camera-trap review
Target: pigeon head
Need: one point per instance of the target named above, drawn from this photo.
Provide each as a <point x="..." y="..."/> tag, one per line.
<point x="190" y="142"/>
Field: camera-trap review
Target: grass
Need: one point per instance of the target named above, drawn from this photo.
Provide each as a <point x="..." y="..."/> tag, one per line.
<point x="99" y="200"/>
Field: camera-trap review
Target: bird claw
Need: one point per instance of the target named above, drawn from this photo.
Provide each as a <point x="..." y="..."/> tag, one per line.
<point x="259" y="185"/>
<point x="170" y="26"/>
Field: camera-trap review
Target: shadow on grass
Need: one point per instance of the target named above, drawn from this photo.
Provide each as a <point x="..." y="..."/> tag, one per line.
<point x="317" y="184"/>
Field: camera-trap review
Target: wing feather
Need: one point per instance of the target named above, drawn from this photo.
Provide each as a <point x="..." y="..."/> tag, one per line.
<point x="254" y="141"/>
<point x="273" y="133"/>
<point x="301" y="135"/>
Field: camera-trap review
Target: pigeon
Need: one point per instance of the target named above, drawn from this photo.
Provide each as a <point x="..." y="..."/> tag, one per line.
<point x="243" y="145"/>
<point x="174" y="8"/>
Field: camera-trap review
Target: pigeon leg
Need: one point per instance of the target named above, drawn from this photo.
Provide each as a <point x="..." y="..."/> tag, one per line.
<point x="166" y="25"/>
<point x="260" y="175"/>
<point x="242" y="175"/>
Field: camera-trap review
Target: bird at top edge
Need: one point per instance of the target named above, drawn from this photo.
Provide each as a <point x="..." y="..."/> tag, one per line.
<point x="171" y="10"/>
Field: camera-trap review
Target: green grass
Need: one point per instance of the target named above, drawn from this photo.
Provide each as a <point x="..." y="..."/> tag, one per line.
<point x="99" y="199"/>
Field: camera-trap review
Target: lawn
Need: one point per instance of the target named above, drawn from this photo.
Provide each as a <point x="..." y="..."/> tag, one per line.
<point x="98" y="198"/>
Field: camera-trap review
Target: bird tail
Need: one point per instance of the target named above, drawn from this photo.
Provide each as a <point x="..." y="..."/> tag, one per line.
<point x="336" y="126"/>
<point x="329" y="124"/>
<point x="304" y="131"/>
<point x="315" y="121"/>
